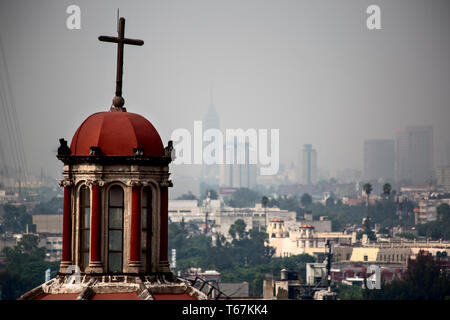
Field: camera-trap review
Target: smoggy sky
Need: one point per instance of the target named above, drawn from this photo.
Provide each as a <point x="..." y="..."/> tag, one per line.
<point x="310" y="68"/>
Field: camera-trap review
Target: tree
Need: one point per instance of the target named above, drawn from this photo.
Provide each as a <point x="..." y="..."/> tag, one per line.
<point x="329" y="202"/>
<point x="25" y="267"/>
<point x="264" y="202"/>
<point x="349" y="292"/>
<point x="15" y="218"/>
<point x="425" y="279"/>
<point x="367" y="190"/>
<point x="187" y="196"/>
<point x="213" y="195"/>
<point x="439" y="229"/>
<point x="387" y="190"/>
<point x="443" y="212"/>
<point x="243" y="198"/>
<point x="368" y="230"/>
<point x="288" y="203"/>
<point x="237" y="229"/>
<point x="53" y="206"/>
<point x="406" y="235"/>
<point x="306" y="200"/>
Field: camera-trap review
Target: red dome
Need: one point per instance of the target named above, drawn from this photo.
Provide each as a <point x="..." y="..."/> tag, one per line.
<point x="117" y="133"/>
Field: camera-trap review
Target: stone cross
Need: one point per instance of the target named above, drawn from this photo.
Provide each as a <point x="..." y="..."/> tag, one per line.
<point x="118" y="101"/>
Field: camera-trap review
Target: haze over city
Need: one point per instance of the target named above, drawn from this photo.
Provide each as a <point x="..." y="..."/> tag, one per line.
<point x="312" y="70"/>
<point x="248" y="151"/>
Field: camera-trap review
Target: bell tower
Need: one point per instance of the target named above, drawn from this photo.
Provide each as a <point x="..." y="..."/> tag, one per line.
<point x="115" y="199"/>
<point x="116" y="180"/>
<point x="115" y="215"/>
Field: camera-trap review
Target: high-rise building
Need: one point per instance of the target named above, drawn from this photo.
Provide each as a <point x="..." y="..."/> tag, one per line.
<point x="379" y="159"/>
<point x="210" y="173"/>
<point x="308" y="165"/>
<point x="414" y="154"/>
<point x="238" y="175"/>
<point x="443" y="177"/>
<point x="446" y="154"/>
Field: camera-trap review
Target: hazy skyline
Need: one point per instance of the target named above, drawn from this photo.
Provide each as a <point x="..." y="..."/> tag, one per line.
<point x="311" y="69"/>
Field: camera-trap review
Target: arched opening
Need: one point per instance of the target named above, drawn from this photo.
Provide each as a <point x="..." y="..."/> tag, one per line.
<point x="146" y="225"/>
<point x="85" y="226"/>
<point x="115" y="229"/>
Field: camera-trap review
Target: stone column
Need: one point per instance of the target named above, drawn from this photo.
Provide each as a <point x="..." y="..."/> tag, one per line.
<point x="134" y="264"/>
<point x="95" y="263"/>
<point x="67" y="227"/>
<point x="164" y="225"/>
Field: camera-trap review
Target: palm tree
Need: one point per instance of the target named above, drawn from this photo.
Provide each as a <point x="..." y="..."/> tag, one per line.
<point x="367" y="189"/>
<point x="387" y="190"/>
<point x="264" y="202"/>
<point x="306" y="200"/>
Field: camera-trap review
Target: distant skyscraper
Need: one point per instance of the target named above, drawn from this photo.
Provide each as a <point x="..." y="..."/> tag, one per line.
<point x="446" y="160"/>
<point x="211" y="119"/>
<point x="308" y="165"/>
<point x="239" y="175"/>
<point x="414" y="154"/>
<point x="210" y="172"/>
<point x="379" y="159"/>
<point x="443" y="177"/>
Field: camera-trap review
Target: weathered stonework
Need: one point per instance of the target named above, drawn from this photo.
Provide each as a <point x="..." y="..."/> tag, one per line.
<point x="88" y="286"/>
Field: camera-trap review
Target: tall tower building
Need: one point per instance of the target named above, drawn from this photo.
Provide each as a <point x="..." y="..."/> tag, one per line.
<point x="237" y="175"/>
<point x="414" y="154"/>
<point x="308" y="165"/>
<point x="379" y="159"/>
<point x="210" y="173"/>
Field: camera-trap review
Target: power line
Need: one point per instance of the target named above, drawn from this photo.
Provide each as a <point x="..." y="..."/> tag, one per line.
<point x="8" y="128"/>
<point x="12" y="123"/>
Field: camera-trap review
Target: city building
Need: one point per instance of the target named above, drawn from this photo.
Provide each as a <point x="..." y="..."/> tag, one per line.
<point x="355" y="273"/>
<point x="394" y="251"/>
<point x="210" y="173"/>
<point x="443" y="177"/>
<point x="219" y="218"/>
<point x="291" y="287"/>
<point x="361" y="199"/>
<point x="53" y="248"/>
<point x="414" y="155"/>
<point x="209" y="283"/>
<point x="302" y="240"/>
<point x="238" y="174"/>
<point x="379" y="159"/>
<point x="308" y="165"/>
<point x="48" y="223"/>
<point x="427" y="210"/>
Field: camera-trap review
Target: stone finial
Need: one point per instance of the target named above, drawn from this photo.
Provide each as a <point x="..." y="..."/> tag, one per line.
<point x="91" y="182"/>
<point x="169" y="151"/>
<point x="63" y="148"/>
<point x="166" y="183"/>
<point x="66" y="183"/>
<point x="134" y="183"/>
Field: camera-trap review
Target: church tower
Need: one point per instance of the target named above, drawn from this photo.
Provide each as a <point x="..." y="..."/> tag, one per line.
<point x="115" y="214"/>
<point x="116" y="179"/>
